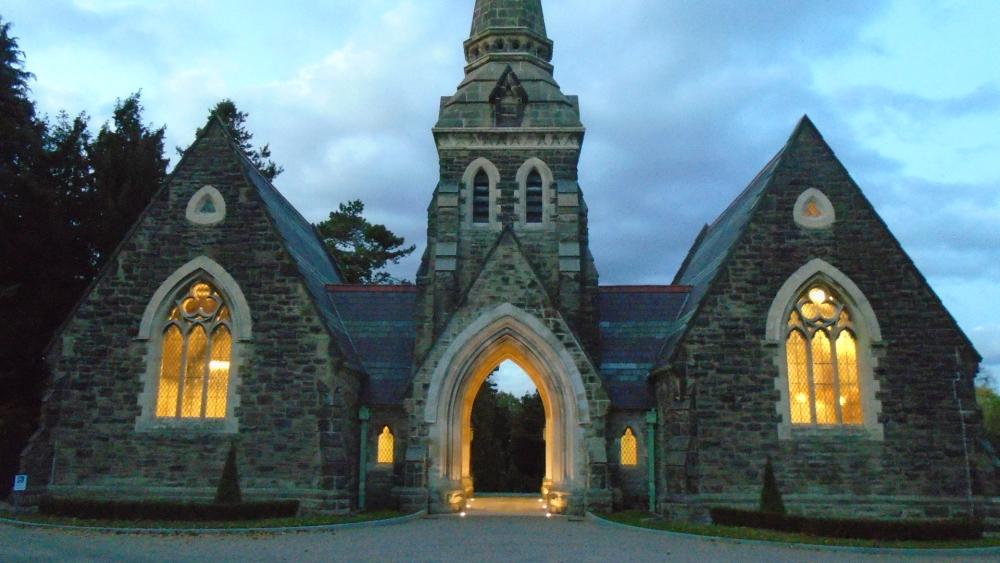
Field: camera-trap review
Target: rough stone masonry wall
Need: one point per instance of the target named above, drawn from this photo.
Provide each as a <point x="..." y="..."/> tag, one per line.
<point x="294" y="428"/>
<point x="828" y="469"/>
<point x="574" y="292"/>
<point x="630" y="480"/>
<point x="382" y="478"/>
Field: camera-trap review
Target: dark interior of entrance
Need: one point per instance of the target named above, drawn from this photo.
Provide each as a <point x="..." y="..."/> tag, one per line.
<point x="508" y="448"/>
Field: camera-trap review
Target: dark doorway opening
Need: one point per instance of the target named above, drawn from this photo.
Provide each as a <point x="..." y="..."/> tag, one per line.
<point x="508" y="446"/>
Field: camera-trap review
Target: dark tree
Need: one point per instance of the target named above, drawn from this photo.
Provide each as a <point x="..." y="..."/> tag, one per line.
<point x="228" y="491"/>
<point x="527" y="448"/>
<point x="236" y="122"/>
<point x="362" y="249"/>
<point x="129" y="167"/>
<point x="24" y="249"/>
<point x="770" y="494"/>
<point x="490" y="453"/>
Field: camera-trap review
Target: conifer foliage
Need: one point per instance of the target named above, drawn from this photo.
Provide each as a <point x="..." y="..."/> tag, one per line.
<point x="236" y="123"/>
<point x="770" y="494"/>
<point x="362" y="249"/>
<point x="66" y="200"/>
<point x="228" y="491"/>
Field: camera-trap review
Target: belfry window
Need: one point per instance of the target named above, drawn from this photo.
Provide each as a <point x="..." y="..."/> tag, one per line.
<point x="822" y="354"/>
<point x="481" y="198"/>
<point x="629" y="454"/>
<point x="533" y="198"/>
<point x="195" y="356"/>
<point x="386" y="442"/>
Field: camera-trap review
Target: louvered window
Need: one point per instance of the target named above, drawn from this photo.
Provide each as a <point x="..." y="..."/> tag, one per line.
<point x="481" y="198"/>
<point x="534" y="202"/>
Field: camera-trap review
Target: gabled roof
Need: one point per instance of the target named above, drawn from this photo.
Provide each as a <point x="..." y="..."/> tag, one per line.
<point x="634" y="322"/>
<point x="381" y="320"/>
<point x="315" y="264"/>
<point x="715" y="242"/>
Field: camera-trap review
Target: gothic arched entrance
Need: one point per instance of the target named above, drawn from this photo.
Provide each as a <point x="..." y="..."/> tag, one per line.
<point x="506" y="333"/>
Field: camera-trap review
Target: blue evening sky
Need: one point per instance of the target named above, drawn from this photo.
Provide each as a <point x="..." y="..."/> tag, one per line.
<point x="684" y="102"/>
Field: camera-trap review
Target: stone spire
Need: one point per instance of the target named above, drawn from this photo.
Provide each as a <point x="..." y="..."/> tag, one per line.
<point x="490" y="14"/>
<point x="508" y="30"/>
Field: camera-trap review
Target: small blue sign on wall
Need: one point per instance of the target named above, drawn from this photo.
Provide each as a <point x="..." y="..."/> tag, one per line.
<point x="20" y="482"/>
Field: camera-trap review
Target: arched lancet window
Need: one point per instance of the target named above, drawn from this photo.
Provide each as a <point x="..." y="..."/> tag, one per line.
<point x="533" y="197"/>
<point x="822" y="355"/>
<point x="386" y="443"/>
<point x="481" y="198"/>
<point x="629" y="454"/>
<point x="195" y="356"/>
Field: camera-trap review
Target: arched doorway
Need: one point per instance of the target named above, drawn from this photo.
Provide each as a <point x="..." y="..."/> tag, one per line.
<point x="505" y="333"/>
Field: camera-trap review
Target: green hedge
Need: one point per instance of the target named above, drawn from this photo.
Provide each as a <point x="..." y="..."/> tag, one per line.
<point x="953" y="529"/>
<point x="167" y="510"/>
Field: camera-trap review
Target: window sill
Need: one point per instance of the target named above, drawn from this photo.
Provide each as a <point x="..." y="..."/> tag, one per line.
<point x="805" y="432"/>
<point x="186" y="426"/>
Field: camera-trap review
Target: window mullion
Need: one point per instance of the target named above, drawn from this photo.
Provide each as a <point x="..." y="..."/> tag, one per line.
<point x="182" y="372"/>
<point x="812" y="380"/>
<point x="836" y="374"/>
<point x="206" y="371"/>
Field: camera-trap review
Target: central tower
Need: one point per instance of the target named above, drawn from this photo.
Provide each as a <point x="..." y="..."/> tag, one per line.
<point x="508" y="144"/>
<point x="507" y="274"/>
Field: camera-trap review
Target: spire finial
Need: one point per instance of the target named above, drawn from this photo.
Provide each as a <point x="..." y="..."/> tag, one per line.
<point x="508" y="28"/>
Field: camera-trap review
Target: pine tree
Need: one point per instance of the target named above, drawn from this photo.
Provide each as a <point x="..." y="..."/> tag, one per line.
<point x="236" y="123"/>
<point x="770" y="494"/>
<point x="129" y="167"/>
<point x="362" y="249"/>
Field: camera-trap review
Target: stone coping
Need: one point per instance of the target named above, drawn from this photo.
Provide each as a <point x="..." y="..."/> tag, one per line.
<point x="215" y="531"/>
<point x="809" y="546"/>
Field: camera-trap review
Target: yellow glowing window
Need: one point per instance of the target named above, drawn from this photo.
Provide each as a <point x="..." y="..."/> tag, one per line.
<point x="629" y="448"/>
<point x="385" y="453"/>
<point x="197" y="347"/>
<point x="821" y="353"/>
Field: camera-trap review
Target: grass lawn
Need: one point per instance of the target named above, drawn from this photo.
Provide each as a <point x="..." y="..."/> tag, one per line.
<point x="168" y="525"/>
<point x="645" y="520"/>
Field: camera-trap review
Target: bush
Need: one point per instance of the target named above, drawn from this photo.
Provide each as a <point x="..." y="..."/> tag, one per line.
<point x="167" y="510"/>
<point x="228" y="491"/>
<point x="770" y="494"/>
<point x="854" y="528"/>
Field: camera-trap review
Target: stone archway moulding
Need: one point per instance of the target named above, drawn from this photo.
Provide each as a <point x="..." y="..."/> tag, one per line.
<point x="555" y="374"/>
<point x="223" y="281"/>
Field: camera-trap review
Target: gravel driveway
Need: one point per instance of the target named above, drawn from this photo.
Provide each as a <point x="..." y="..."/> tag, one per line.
<point x="444" y="538"/>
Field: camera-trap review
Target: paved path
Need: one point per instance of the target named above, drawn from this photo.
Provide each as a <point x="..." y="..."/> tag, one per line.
<point x="443" y="538"/>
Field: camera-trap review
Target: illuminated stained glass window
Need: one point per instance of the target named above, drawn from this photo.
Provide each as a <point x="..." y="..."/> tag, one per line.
<point x="629" y="448"/>
<point x="196" y="353"/>
<point x="821" y="355"/>
<point x="386" y="443"/>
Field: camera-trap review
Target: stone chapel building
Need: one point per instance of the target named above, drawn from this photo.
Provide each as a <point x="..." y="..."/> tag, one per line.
<point x="797" y="329"/>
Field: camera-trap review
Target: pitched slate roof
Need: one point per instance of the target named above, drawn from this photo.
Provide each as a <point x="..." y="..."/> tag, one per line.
<point x="301" y="240"/>
<point x="381" y="320"/>
<point x="713" y="245"/>
<point x="634" y="322"/>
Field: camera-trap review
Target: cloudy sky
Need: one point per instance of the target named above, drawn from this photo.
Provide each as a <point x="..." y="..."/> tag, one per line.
<point x="684" y="102"/>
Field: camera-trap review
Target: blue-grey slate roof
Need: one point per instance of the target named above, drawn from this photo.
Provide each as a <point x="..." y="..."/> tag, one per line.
<point x="382" y="323"/>
<point x="634" y="322"/>
<point x="301" y="240"/>
<point x="711" y="249"/>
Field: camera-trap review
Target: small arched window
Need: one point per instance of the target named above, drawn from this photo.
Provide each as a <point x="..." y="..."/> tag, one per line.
<point x="822" y="354"/>
<point x="386" y="444"/>
<point x="481" y="198"/>
<point x="195" y="355"/>
<point x="533" y="196"/>
<point x="629" y="454"/>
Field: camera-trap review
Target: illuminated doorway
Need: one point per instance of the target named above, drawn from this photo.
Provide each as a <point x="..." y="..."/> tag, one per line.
<point x="506" y="333"/>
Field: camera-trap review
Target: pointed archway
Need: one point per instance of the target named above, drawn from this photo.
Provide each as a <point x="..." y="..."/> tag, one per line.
<point x="502" y="333"/>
